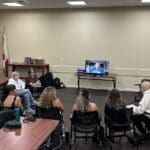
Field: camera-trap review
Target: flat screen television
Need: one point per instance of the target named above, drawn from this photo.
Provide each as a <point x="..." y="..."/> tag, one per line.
<point x="96" y="67"/>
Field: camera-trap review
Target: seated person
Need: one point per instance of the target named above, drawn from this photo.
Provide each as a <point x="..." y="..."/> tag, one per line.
<point x="10" y="97"/>
<point x="113" y="106"/>
<point x="32" y="81"/>
<point x="49" y="99"/>
<point x="142" y="111"/>
<point x="139" y="94"/>
<point x="97" y="68"/>
<point x="83" y="103"/>
<point x="28" y="100"/>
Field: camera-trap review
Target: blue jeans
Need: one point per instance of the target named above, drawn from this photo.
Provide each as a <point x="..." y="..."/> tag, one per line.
<point x="27" y="97"/>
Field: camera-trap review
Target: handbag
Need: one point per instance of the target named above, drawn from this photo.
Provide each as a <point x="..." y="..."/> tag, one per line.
<point x="5" y="116"/>
<point x="134" y="138"/>
<point x="12" y="124"/>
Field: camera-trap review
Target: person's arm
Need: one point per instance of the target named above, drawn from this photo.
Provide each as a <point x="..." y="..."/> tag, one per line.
<point x="22" y="84"/>
<point x="18" y="101"/>
<point x="96" y="108"/>
<point x="7" y="102"/>
<point x="143" y="105"/>
<point x="60" y="105"/>
<point x="74" y="108"/>
<point x="11" y="81"/>
<point x="27" y="82"/>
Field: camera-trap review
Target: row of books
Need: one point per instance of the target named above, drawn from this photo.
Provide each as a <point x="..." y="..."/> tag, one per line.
<point x="34" y="61"/>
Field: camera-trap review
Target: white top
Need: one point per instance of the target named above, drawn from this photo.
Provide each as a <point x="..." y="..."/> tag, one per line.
<point x="144" y="105"/>
<point x="19" y="83"/>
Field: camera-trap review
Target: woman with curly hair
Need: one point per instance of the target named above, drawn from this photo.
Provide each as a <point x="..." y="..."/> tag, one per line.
<point x="49" y="99"/>
<point x="114" y="100"/>
<point x="114" y="107"/>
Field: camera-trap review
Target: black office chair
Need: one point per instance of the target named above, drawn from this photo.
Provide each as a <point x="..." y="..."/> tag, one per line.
<point x="55" y="141"/>
<point x="83" y="123"/>
<point x="49" y="113"/>
<point x="118" y="121"/>
<point x="138" y="95"/>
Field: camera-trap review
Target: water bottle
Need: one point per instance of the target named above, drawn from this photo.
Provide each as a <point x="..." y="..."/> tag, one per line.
<point x="63" y="131"/>
<point x="17" y="114"/>
<point x="67" y="135"/>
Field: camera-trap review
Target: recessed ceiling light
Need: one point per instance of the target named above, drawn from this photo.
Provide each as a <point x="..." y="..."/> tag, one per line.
<point x="145" y="1"/>
<point x="76" y="3"/>
<point x="13" y="4"/>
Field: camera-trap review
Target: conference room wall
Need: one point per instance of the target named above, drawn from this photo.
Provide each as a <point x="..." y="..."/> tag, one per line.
<point x="67" y="37"/>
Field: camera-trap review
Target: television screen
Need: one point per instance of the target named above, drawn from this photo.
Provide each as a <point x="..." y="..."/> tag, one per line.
<point x="97" y="67"/>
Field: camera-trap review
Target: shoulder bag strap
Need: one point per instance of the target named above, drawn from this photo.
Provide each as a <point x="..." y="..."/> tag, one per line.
<point x="13" y="103"/>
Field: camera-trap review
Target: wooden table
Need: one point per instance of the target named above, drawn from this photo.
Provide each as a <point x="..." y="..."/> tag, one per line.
<point x="22" y="65"/>
<point x="29" y="137"/>
<point x="106" y="77"/>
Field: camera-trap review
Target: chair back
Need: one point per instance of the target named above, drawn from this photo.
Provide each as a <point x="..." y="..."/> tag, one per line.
<point x="48" y="113"/>
<point x="85" y="119"/>
<point x="54" y="141"/>
<point x="128" y="114"/>
<point x="121" y="116"/>
<point x="124" y="116"/>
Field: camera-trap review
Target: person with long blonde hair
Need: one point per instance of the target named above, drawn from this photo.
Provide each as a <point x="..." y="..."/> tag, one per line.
<point x="49" y="99"/>
<point x="83" y="102"/>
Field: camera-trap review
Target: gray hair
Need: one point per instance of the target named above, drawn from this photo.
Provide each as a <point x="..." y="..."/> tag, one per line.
<point x="14" y="74"/>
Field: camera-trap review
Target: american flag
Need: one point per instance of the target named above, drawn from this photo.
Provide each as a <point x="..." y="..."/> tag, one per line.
<point x="5" y="51"/>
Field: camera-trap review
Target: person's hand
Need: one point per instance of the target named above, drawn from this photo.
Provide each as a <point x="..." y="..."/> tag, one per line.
<point x="130" y="106"/>
<point x="38" y="83"/>
<point x="31" y="83"/>
<point x="34" y="84"/>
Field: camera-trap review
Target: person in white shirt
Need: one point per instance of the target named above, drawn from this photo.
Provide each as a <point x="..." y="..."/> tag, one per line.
<point x="142" y="111"/>
<point x="21" y="91"/>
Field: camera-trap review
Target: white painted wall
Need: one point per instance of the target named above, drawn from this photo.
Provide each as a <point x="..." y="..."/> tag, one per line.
<point x="67" y="37"/>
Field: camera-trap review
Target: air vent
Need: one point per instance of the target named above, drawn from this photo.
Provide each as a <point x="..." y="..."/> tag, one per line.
<point x="22" y="1"/>
<point x="13" y="1"/>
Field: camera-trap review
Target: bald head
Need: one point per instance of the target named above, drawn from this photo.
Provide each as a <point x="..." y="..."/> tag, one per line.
<point x="145" y="85"/>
